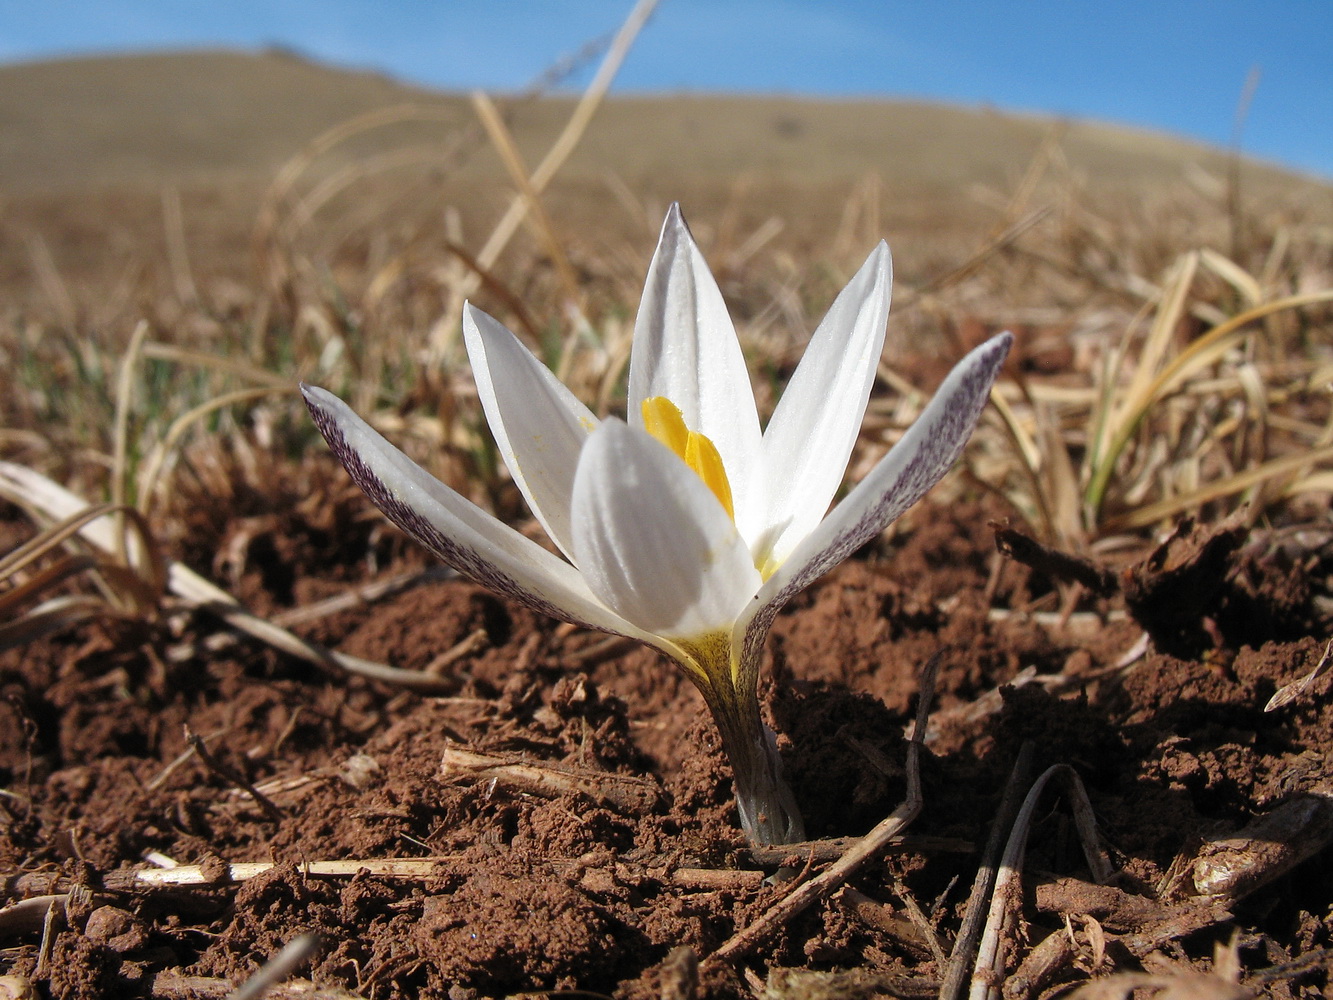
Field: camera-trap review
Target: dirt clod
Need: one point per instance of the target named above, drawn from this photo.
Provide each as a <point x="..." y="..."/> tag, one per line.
<point x="581" y="834"/>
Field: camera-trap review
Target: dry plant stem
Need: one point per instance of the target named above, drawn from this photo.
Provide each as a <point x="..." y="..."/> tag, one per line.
<point x="850" y="863"/>
<point x="504" y="144"/>
<point x="54" y="913"/>
<point x="293" y="955"/>
<point x="228" y="774"/>
<point x="1055" y="952"/>
<point x="1266" y="848"/>
<point x="171" y="986"/>
<point x="35" y="492"/>
<point x="1148" y="389"/>
<point x="1292" y="690"/>
<point x="626" y="793"/>
<point x="568" y="139"/>
<point x="354" y="597"/>
<point x="834" y="848"/>
<point x="1052" y="561"/>
<point x="29" y="914"/>
<point x="965" y="944"/>
<point x="989" y="969"/>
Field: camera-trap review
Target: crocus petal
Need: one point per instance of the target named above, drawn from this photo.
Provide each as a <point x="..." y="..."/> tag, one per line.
<point x="924" y="454"/>
<point x="464" y="536"/>
<point x="685" y="349"/>
<point x="809" y="439"/>
<point x="653" y="542"/>
<point x="538" y="424"/>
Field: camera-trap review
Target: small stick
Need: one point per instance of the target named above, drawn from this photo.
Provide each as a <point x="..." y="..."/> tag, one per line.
<point x="227" y="774"/>
<point x="629" y="794"/>
<point x="173" y="986"/>
<point x="54" y="912"/>
<point x="1268" y="847"/>
<point x="187" y="875"/>
<point x="30" y="914"/>
<point x="1291" y="691"/>
<point x="474" y="642"/>
<point x="965" y="945"/>
<point x="294" y="953"/>
<point x="1054" y="563"/>
<point x="27" y="914"/>
<point x="596" y="652"/>
<point x="833" y="848"/>
<point x="989" y="966"/>
<point x="882" y="917"/>
<point x="866" y="849"/>
<point x="921" y="922"/>
<point x="1052" y="953"/>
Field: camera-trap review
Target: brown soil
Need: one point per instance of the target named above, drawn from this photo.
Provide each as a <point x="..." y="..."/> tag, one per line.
<point x="598" y="886"/>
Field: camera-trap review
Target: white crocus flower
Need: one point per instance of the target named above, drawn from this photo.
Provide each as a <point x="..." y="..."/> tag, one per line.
<point x="687" y="527"/>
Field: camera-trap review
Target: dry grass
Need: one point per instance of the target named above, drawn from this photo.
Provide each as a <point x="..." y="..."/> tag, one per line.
<point x="1172" y="355"/>
<point x="1170" y="360"/>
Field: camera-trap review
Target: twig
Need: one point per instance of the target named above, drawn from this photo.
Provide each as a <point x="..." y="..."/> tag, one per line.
<point x="573" y="132"/>
<point x="1291" y="691"/>
<point x="474" y="642"/>
<point x="35" y="492"/>
<point x="866" y="849"/>
<point x="833" y="848"/>
<point x="173" y="986"/>
<point x="1269" y="846"/>
<point x="1054" y="563"/>
<point x="296" y="952"/>
<point x="964" y="946"/>
<point x="200" y="875"/>
<point x="27" y="915"/>
<point x="1288" y="970"/>
<point x="882" y="917"/>
<point x="54" y="912"/>
<point x="920" y="921"/>
<point x="596" y="652"/>
<point x="987" y="972"/>
<point x="627" y="793"/>
<point x="230" y="775"/>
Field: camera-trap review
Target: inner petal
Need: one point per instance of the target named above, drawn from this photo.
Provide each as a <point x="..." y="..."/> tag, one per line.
<point x="664" y="421"/>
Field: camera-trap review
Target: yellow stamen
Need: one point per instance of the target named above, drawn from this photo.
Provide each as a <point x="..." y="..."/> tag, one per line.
<point x="664" y="421"/>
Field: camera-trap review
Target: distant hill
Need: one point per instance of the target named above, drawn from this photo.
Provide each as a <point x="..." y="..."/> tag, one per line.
<point x="102" y="158"/>
<point x="187" y="117"/>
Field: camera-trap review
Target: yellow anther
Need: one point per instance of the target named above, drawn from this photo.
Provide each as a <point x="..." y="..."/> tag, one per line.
<point x="664" y="421"/>
<point x="701" y="456"/>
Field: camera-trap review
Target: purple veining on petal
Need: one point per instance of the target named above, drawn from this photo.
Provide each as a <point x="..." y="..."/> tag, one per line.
<point x="462" y="558"/>
<point x="948" y="435"/>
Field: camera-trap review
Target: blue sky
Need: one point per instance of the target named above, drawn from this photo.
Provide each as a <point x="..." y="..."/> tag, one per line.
<point x="1174" y="65"/>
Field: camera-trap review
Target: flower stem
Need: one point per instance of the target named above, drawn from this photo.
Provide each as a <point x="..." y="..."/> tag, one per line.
<point x="766" y="805"/>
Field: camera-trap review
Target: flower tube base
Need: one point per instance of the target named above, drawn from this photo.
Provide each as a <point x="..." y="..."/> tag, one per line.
<point x="767" y="808"/>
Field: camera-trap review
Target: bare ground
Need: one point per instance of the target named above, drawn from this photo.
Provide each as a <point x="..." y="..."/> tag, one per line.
<point x="601" y="839"/>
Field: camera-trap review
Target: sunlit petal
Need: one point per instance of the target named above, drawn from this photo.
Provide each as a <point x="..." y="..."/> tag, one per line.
<point x="463" y="535"/>
<point x="538" y="424"/>
<point x="653" y="542"/>
<point x="924" y="454"/>
<point x="685" y="349"/>
<point x="809" y="439"/>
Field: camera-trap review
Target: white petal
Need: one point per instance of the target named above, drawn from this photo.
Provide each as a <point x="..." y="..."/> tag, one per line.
<point x="924" y="454"/>
<point x="685" y="349"/>
<point x="460" y="533"/>
<point x="653" y="542"/>
<point x="539" y="425"/>
<point x="810" y="437"/>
